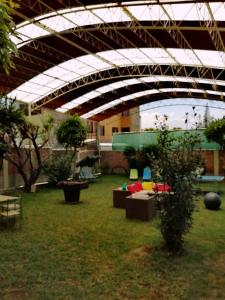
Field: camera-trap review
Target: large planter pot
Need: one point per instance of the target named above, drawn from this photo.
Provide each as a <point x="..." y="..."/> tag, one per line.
<point x="72" y="189"/>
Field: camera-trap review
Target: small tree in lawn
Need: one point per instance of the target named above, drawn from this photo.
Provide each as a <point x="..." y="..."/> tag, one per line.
<point x="71" y="133"/>
<point x="178" y="159"/>
<point x="23" y="141"/>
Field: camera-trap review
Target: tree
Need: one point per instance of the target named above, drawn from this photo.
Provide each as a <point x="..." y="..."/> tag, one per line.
<point x="178" y="160"/>
<point x="71" y="133"/>
<point x="9" y="118"/>
<point x="215" y="132"/>
<point x="7" y="47"/>
<point x="23" y="141"/>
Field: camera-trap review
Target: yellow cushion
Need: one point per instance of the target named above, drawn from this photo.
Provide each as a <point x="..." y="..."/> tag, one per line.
<point x="147" y="185"/>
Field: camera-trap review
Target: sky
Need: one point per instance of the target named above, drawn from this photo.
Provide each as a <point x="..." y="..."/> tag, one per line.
<point x="175" y="110"/>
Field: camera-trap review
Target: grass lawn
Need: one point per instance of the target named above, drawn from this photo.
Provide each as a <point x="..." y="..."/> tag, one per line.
<point x="91" y="251"/>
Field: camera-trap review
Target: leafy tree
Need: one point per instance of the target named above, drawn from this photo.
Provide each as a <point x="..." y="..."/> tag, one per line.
<point x="9" y="118"/>
<point x="215" y="132"/>
<point x="71" y="133"/>
<point x="7" y="47"/>
<point x="178" y="160"/>
<point x="23" y="141"/>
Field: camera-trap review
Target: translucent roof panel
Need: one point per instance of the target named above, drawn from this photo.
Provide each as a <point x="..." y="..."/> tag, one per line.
<point x="148" y="12"/>
<point x="187" y="12"/>
<point x="73" y="17"/>
<point x="111" y="87"/>
<point x="186" y="57"/>
<point x="141" y="94"/>
<point x="19" y="95"/>
<point x="74" y="69"/>
<point x="30" y="31"/>
<point x="113" y="14"/>
<point x="211" y="58"/>
<point x="58" y="23"/>
<point x="218" y="10"/>
<point x="94" y="61"/>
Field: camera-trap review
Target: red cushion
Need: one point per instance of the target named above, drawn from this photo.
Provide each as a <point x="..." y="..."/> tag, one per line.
<point x="139" y="185"/>
<point x="136" y="187"/>
<point x="161" y="187"/>
<point x="132" y="188"/>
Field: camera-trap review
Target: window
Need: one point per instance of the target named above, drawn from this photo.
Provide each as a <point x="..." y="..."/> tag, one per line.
<point x="90" y="126"/>
<point x="125" y="113"/>
<point x="115" y="129"/>
<point x="102" y="130"/>
<point x="125" y="129"/>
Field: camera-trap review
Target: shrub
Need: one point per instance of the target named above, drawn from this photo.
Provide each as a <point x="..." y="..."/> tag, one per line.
<point x="130" y="154"/>
<point x="58" y="168"/>
<point x="178" y="160"/>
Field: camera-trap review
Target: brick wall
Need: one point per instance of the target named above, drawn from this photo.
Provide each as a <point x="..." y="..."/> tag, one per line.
<point x="115" y="162"/>
<point x="112" y="162"/>
<point x="15" y="179"/>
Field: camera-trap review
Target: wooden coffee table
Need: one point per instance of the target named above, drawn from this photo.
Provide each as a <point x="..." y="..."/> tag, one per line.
<point x="141" y="206"/>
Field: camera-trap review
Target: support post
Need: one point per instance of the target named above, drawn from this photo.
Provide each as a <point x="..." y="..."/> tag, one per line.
<point x="98" y="141"/>
<point x="216" y="162"/>
<point x="5" y="174"/>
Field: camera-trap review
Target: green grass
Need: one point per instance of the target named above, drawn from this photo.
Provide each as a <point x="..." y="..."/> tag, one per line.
<point x="91" y="251"/>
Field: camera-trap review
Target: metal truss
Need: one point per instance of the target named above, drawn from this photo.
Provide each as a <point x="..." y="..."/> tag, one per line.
<point x="114" y="33"/>
<point x="181" y="40"/>
<point x="52" y="52"/>
<point x="87" y="36"/>
<point x="131" y="71"/>
<point x="29" y="58"/>
<point x="148" y="99"/>
<point x="213" y="30"/>
<point x="103" y="99"/>
<point x="93" y="40"/>
<point x="175" y="34"/>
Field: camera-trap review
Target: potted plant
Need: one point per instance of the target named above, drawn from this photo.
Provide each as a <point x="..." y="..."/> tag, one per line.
<point x="71" y="133"/>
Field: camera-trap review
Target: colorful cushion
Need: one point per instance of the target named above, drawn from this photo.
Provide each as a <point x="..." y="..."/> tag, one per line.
<point x="132" y="188"/>
<point x="139" y="185"/>
<point x="147" y="185"/>
<point x="124" y="187"/>
<point x="161" y="187"/>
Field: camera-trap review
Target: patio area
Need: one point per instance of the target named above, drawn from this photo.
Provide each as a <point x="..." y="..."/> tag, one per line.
<point x="91" y="251"/>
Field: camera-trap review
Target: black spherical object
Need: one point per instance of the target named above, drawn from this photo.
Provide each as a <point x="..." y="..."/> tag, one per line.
<point x="212" y="201"/>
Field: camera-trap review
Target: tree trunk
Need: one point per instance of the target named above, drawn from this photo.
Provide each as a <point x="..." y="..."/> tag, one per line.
<point x="74" y="163"/>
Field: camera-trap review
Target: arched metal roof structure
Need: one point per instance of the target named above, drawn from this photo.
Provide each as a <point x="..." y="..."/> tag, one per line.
<point x="98" y="58"/>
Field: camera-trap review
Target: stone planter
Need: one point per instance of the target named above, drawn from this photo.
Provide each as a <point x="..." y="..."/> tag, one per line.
<point x="72" y="189"/>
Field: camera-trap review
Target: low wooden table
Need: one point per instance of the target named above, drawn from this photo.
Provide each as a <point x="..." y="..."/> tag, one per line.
<point x="141" y="206"/>
<point x="119" y="198"/>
